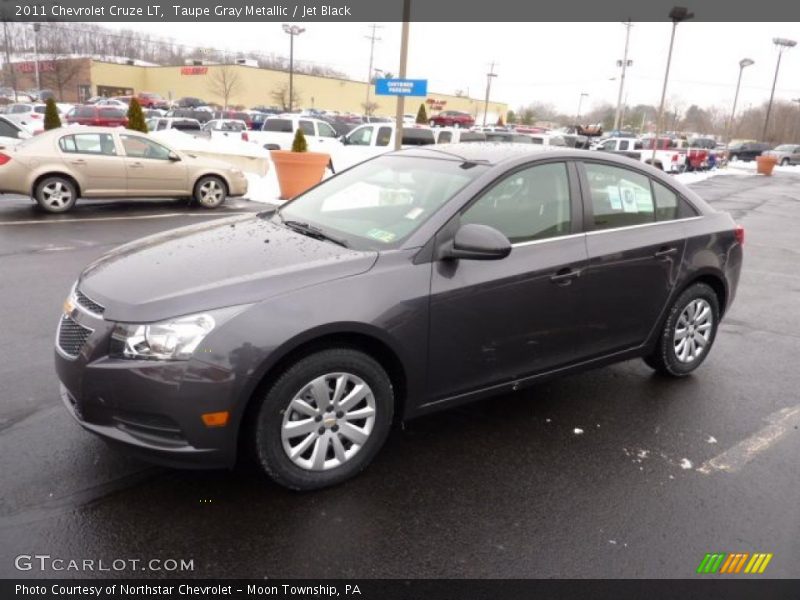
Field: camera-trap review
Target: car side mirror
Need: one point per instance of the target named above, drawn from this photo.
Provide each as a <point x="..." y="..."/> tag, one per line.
<point x="345" y="140"/>
<point x="477" y="242"/>
<point x="173" y="156"/>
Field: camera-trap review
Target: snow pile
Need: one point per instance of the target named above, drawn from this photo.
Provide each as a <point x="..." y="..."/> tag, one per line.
<point x="217" y="145"/>
<point x="751" y="165"/>
<point x="263" y="188"/>
<point x="690" y="177"/>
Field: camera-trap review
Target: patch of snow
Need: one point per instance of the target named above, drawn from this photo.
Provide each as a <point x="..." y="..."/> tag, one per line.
<point x="263" y="188"/>
<point x="686" y="463"/>
<point x="577" y="431"/>
<point x="690" y="177"/>
<point x="217" y="145"/>
<point x="751" y="166"/>
<point x="612" y="541"/>
<point x="711" y="439"/>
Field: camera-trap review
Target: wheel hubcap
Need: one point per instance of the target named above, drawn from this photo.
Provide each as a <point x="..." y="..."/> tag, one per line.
<point x="693" y="330"/>
<point x="56" y="195"/>
<point x="328" y="421"/>
<point x="210" y="192"/>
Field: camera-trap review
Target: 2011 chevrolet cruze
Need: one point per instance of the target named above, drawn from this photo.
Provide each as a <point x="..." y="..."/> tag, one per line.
<point x="410" y="283"/>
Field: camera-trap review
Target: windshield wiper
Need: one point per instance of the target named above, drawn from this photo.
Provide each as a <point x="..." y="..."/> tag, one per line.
<point x="311" y="231"/>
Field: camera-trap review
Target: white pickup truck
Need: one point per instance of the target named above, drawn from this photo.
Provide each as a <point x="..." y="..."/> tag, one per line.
<point x="277" y="133"/>
<point x="671" y="161"/>
<point x="373" y="139"/>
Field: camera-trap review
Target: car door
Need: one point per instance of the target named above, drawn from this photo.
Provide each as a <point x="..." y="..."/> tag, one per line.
<point x="635" y="245"/>
<point x="150" y="170"/>
<point x="795" y="157"/>
<point x="93" y="160"/>
<point x="501" y="320"/>
<point x="359" y="145"/>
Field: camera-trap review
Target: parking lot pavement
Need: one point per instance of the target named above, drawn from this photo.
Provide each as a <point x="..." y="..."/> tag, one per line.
<point x="612" y="473"/>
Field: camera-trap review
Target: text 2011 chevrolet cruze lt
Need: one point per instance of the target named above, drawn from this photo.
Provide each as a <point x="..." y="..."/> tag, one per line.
<point x="410" y="283"/>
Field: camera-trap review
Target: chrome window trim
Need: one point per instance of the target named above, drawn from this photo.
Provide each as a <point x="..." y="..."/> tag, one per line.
<point x="611" y="229"/>
<point x="550" y="239"/>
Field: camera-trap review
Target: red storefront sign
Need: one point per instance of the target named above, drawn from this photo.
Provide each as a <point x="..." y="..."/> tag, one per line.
<point x="194" y="70"/>
<point x="45" y="66"/>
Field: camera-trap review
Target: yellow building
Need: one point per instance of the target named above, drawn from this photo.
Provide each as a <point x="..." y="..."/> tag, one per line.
<point x="255" y="86"/>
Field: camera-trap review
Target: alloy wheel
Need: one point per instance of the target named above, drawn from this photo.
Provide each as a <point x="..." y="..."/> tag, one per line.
<point x="211" y="192"/>
<point x="693" y="330"/>
<point x="328" y="421"/>
<point x="56" y="195"/>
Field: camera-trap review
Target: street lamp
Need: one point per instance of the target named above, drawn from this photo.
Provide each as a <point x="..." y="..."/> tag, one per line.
<point x="293" y="31"/>
<point x="489" y="76"/>
<point x="782" y="44"/>
<point x="580" y="102"/>
<point x="678" y="14"/>
<point x="745" y="62"/>
<point x="36" y="27"/>
<point x="624" y="63"/>
<point x="796" y="100"/>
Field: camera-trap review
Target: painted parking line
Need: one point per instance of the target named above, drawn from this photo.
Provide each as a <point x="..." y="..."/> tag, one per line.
<point x="139" y="217"/>
<point x="734" y="458"/>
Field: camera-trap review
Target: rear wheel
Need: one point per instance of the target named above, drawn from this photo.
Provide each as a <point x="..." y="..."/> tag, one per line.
<point x="210" y="192"/>
<point x="55" y="194"/>
<point x="785" y="162"/>
<point x="689" y="332"/>
<point x="324" y="419"/>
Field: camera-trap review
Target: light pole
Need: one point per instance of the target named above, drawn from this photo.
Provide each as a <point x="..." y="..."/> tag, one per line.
<point x="745" y="62"/>
<point x="624" y="63"/>
<point x="782" y="44"/>
<point x="489" y="76"/>
<point x="677" y="14"/>
<point x="401" y="101"/>
<point x="797" y="101"/>
<point x="36" y="27"/>
<point x="8" y="64"/>
<point x="580" y="102"/>
<point x="293" y="31"/>
<point x="372" y="38"/>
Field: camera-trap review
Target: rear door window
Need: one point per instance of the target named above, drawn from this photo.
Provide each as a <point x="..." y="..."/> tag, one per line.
<point x="619" y="197"/>
<point x="307" y="127"/>
<point x="417" y="137"/>
<point x="326" y="130"/>
<point x="361" y="136"/>
<point x="88" y="143"/>
<point x="8" y="130"/>
<point x="279" y="125"/>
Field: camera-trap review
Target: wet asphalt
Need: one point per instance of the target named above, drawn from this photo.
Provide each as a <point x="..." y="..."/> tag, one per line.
<point x="593" y="475"/>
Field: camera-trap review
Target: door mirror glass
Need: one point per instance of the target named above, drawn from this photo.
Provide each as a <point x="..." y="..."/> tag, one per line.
<point x="173" y="156"/>
<point x="478" y="242"/>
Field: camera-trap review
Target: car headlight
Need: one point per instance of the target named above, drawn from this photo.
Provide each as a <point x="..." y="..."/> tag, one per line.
<point x="175" y="339"/>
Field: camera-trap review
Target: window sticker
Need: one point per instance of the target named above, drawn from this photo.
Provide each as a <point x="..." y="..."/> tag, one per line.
<point x="382" y="236"/>
<point x="628" y="195"/>
<point x="613" y="197"/>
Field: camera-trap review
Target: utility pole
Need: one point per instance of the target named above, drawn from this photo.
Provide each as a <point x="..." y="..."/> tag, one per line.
<point x="372" y="39"/>
<point x="401" y="101"/>
<point x="782" y="44"/>
<point x="9" y="66"/>
<point x="36" y="27"/>
<point x="293" y="31"/>
<point x="624" y="64"/>
<point x="489" y="76"/>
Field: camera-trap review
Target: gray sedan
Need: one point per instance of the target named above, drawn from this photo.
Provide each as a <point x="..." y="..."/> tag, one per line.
<point x="786" y="154"/>
<point x="411" y="283"/>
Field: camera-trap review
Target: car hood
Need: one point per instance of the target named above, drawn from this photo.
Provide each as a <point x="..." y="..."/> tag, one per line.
<point x="239" y="260"/>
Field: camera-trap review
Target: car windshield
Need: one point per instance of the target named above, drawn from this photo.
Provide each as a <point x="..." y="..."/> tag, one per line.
<point x="379" y="203"/>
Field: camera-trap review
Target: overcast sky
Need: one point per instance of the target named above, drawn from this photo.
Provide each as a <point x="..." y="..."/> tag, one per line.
<point x="550" y="62"/>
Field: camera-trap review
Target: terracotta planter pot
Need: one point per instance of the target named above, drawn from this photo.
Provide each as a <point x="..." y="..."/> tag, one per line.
<point x="765" y="164"/>
<point x="298" y="171"/>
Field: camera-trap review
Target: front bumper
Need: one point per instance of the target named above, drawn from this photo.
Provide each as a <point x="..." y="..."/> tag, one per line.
<point x="150" y="408"/>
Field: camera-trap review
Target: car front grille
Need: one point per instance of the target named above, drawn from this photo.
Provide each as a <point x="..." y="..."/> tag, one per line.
<point x="71" y="336"/>
<point x="88" y="303"/>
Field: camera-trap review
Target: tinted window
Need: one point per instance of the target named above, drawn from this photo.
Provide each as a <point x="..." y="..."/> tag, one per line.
<point x="619" y="197"/>
<point x="445" y="137"/>
<point x="307" y="127"/>
<point x="38" y="109"/>
<point x="529" y="205"/>
<point x="186" y="125"/>
<point x="472" y="136"/>
<point x="417" y="137"/>
<point x="8" y="130"/>
<point x="112" y="113"/>
<point x="84" y="111"/>
<point x="88" y="143"/>
<point x="139" y="147"/>
<point x="623" y="144"/>
<point x="666" y="203"/>
<point x="384" y="136"/>
<point x="282" y="125"/>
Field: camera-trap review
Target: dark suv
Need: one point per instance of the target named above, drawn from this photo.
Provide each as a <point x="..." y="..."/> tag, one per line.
<point x="413" y="282"/>
<point x="747" y="151"/>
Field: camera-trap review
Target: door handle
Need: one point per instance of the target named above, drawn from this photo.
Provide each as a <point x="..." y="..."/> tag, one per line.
<point x="565" y="276"/>
<point x="665" y="252"/>
<point x="136" y="165"/>
<point x="78" y="161"/>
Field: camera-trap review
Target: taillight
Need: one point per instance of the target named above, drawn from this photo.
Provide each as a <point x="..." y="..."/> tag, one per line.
<point x="245" y="137"/>
<point x="4" y="158"/>
<point x="738" y="232"/>
<point x="674" y="158"/>
<point x="36" y="116"/>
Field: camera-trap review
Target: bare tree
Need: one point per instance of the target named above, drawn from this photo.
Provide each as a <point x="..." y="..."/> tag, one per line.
<point x="225" y="82"/>
<point x="369" y="107"/>
<point x="281" y="96"/>
<point x="62" y="75"/>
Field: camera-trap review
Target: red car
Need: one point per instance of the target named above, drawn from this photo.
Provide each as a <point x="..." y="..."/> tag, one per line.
<point x="151" y="100"/>
<point x="452" y="118"/>
<point x="102" y="116"/>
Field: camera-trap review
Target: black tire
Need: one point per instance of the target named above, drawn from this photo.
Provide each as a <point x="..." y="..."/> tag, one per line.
<point x="269" y="420"/>
<point x="734" y="157"/>
<point x="55" y="194"/>
<point x="210" y="191"/>
<point x="785" y="162"/>
<point x="664" y="357"/>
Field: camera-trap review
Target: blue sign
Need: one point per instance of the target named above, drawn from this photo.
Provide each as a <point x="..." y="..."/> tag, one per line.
<point x="401" y="87"/>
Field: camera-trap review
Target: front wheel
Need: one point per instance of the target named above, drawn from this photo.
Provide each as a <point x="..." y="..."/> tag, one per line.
<point x="324" y="419"/>
<point x="688" y="334"/>
<point x="785" y="162"/>
<point x="210" y="192"/>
